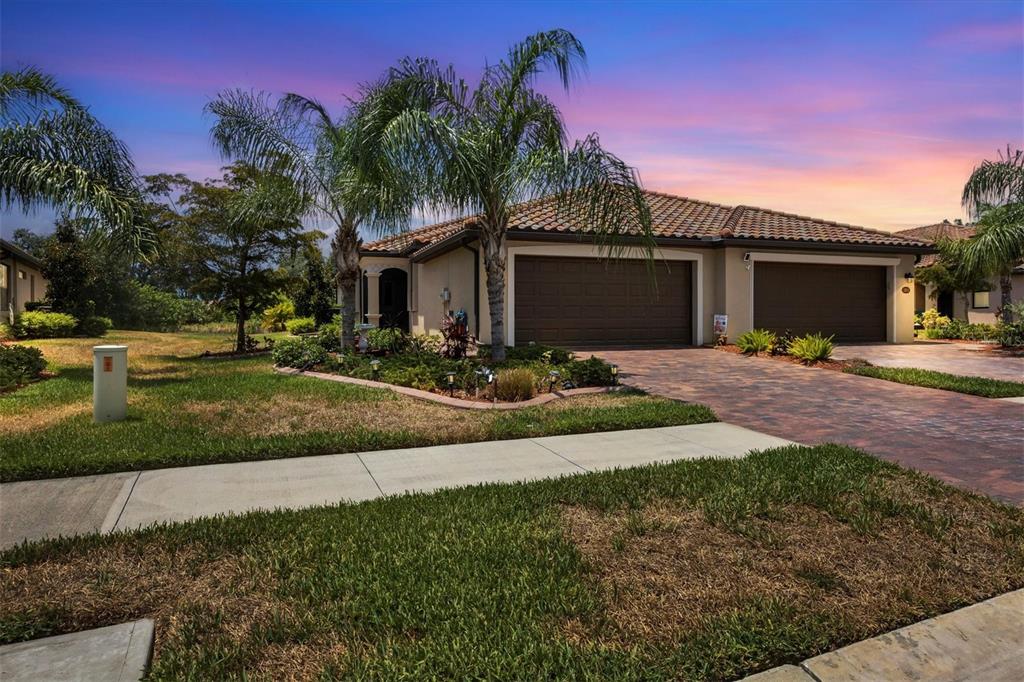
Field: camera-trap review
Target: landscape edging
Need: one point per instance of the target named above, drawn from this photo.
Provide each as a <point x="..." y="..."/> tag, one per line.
<point x="458" y="403"/>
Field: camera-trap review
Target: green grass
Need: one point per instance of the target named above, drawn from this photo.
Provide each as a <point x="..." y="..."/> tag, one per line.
<point x="184" y="410"/>
<point x="983" y="386"/>
<point x="794" y="552"/>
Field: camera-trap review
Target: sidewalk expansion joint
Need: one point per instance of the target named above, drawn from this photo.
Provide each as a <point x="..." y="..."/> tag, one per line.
<point x="370" y="473"/>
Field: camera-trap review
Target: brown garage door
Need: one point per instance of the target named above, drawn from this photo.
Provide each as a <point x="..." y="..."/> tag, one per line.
<point x="847" y="301"/>
<point x="586" y="301"/>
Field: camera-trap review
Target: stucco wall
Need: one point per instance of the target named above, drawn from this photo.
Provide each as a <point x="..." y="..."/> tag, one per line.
<point x="454" y="271"/>
<point x="20" y="284"/>
<point x="962" y="302"/>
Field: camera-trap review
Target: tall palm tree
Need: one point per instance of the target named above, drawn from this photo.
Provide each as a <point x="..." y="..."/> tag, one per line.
<point x="337" y="172"/>
<point x="54" y="153"/>
<point x="503" y="143"/>
<point x="995" y="195"/>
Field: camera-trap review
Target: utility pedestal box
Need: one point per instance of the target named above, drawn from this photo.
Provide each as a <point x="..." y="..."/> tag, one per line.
<point x="109" y="383"/>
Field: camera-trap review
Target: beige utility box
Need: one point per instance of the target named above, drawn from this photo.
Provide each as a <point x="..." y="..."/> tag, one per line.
<point x="109" y="383"/>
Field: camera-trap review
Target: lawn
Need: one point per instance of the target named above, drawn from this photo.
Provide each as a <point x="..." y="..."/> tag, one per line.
<point x="185" y="410"/>
<point x="710" y="569"/>
<point x="983" y="386"/>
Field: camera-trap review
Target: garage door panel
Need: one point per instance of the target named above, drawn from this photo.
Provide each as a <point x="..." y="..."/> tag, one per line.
<point x="581" y="301"/>
<point x="847" y="301"/>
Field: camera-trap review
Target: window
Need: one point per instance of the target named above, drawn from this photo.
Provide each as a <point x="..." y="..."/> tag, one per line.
<point x="21" y="274"/>
<point x="32" y="287"/>
<point x="980" y="299"/>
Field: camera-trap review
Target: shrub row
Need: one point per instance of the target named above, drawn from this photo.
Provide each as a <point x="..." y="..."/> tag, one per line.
<point x="38" y="324"/>
<point x="808" y="348"/>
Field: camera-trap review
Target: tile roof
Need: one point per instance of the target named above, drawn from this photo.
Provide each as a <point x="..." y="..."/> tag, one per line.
<point x="673" y="217"/>
<point x="936" y="232"/>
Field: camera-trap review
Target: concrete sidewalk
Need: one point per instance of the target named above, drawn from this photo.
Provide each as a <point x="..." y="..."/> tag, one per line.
<point x="73" y="506"/>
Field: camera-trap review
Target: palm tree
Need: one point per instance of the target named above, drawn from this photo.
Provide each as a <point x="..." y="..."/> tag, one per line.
<point x="503" y="143"/>
<point x="54" y="153"/>
<point x="337" y="172"/>
<point x="995" y="195"/>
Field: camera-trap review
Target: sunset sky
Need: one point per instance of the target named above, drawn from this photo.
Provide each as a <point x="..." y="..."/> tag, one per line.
<point x="868" y="113"/>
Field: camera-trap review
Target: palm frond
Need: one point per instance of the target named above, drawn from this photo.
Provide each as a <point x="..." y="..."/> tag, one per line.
<point x="994" y="183"/>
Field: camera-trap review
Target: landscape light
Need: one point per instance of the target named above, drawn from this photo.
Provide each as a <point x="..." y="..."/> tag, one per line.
<point x="375" y="367"/>
<point x="615" y="374"/>
<point x="450" y="376"/>
<point x="553" y="377"/>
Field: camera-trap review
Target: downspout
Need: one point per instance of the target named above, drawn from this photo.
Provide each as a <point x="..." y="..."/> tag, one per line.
<point x="476" y="289"/>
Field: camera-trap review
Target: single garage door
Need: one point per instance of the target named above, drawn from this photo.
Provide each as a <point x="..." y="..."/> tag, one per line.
<point x="587" y="301"/>
<point x="848" y="301"/>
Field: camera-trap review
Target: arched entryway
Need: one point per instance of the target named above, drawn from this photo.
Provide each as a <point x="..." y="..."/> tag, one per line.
<point x="392" y="298"/>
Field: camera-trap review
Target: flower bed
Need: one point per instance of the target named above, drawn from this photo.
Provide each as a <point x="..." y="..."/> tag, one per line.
<point x="527" y="372"/>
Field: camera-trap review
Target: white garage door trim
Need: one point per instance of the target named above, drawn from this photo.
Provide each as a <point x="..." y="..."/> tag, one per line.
<point x="889" y="263"/>
<point x="588" y="251"/>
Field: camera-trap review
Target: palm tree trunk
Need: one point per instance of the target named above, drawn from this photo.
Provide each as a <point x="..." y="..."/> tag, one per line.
<point x="346" y="256"/>
<point x="240" y="319"/>
<point x="1006" y="298"/>
<point x="492" y="237"/>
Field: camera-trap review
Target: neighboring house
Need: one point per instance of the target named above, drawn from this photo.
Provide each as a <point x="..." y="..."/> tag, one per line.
<point x="761" y="268"/>
<point x="21" y="279"/>
<point x="972" y="306"/>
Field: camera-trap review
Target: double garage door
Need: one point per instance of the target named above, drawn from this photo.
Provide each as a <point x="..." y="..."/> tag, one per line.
<point x="845" y="301"/>
<point x="588" y="301"/>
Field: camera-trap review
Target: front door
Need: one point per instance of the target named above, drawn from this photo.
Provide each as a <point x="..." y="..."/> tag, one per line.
<point x="394" y="299"/>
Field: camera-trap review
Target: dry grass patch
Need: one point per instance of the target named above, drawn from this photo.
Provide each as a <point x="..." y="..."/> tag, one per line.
<point x="27" y="420"/>
<point x="665" y="571"/>
<point x="285" y="414"/>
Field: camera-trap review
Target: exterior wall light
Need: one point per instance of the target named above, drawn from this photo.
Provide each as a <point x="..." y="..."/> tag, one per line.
<point x="909" y="276"/>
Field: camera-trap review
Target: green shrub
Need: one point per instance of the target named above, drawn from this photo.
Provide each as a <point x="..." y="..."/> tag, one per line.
<point x="276" y="316"/>
<point x="515" y="384"/>
<point x="148" y="309"/>
<point x="960" y="329"/>
<point x="1010" y="335"/>
<point x="329" y="337"/>
<point x="39" y="325"/>
<point x="931" y="319"/>
<point x="301" y="325"/>
<point x="756" y="341"/>
<point x="425" y="343"/>
<point x="19" y="365"/>
<point x="418" y="376"/>
<point x="95" y="326"/>
<point x="301" y="353"/>
<point x="387" y="340"/>
<point x="538" y="352"/>
<point x="590" y="372"/>
<point x="811" y="348"/>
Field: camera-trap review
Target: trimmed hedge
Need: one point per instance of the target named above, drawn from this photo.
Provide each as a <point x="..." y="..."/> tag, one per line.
<point x="37" y="324"/>
<point x="19" y="365"/>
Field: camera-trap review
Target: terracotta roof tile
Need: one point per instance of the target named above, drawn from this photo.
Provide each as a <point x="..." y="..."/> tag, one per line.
<point x="934" y="233"/>
<point x="673" y="217"/>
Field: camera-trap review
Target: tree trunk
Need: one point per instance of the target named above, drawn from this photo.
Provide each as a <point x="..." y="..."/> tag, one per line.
<point x="240" y="319"/>
<point x="1006" y="295"/>
<point x="492" y="237"/>
<point x="346" y="257"/>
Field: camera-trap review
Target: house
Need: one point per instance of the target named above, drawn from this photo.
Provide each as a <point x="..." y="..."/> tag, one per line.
<point x="21" y="279"/>
<point x="971" y="306"/>
<point x="759" y="267"/>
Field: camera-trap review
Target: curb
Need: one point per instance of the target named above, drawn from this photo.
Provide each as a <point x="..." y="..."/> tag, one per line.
<point x="457" y="403"/>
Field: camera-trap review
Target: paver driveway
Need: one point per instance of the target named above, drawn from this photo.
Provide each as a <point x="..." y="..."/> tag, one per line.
<point x="954" y="358"/>
<point x="969" y="441"/>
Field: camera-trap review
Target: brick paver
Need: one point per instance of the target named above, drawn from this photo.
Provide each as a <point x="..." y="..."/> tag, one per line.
<point x="954" y="358"/>
<point x="973" y="442"/>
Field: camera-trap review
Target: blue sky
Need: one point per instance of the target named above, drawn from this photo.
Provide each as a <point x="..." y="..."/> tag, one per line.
<point x="869" y="113"/>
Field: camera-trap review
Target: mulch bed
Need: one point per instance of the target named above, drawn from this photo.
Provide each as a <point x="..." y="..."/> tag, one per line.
<point x="232" y="355"/>
<point x="837" y="365"/>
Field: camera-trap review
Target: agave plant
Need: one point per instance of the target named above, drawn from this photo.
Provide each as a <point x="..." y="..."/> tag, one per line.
<point x="54" y="153"/>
